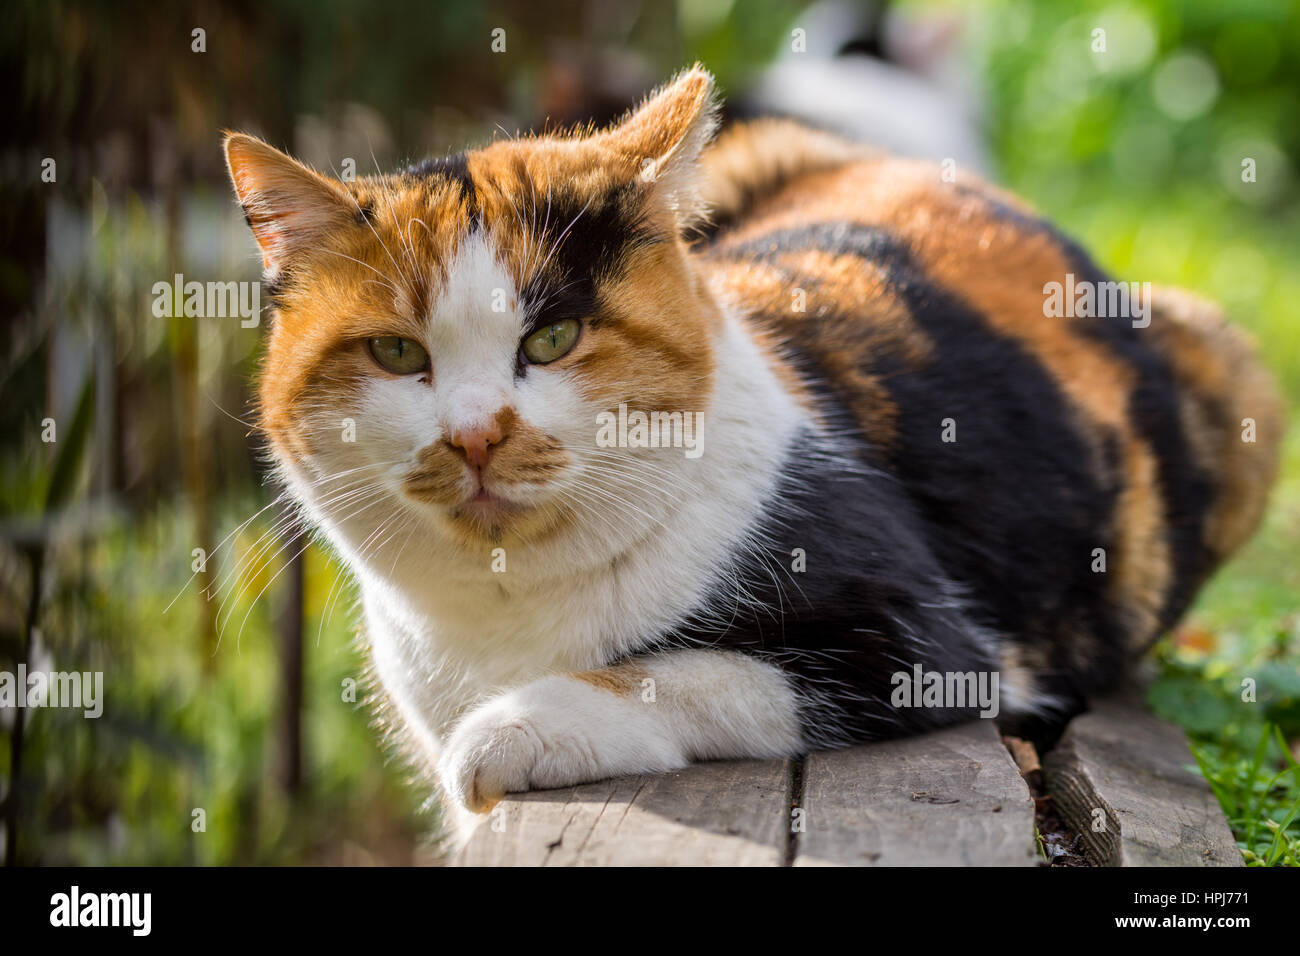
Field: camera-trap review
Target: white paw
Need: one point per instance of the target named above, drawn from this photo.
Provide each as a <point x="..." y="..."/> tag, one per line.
<point x="554" y="732"/>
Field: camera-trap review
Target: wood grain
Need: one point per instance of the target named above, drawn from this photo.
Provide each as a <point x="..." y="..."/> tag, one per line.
<point x="714" y="814"/>
<point x="1128" y="784"/>
<point x="950" y="798"/>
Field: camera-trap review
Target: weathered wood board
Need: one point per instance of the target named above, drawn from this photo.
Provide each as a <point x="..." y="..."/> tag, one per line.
<point x="716" y="814"/>
<point x="1128" y="784"/>
<point x="950" y="798"/>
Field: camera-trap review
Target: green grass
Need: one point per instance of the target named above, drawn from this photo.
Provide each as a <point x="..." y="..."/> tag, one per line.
<point x="1229" y="677"/>
<point x="1262" y="806"/>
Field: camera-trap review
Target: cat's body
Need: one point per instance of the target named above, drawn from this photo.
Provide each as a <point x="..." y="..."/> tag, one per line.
<point x="903" y="461"/>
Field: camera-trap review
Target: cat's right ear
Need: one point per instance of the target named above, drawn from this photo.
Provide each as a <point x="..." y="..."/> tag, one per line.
<point x="288" y="206"/>
<point x="662" y="139"/>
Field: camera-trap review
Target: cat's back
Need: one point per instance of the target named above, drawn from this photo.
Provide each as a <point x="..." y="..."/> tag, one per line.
<point x="947" y="325"/>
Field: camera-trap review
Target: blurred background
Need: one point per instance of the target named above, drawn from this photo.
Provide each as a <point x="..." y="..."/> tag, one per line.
<point x="1130" y="123"/>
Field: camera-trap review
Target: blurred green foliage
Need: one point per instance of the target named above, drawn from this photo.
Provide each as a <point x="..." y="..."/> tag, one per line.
<point x="1138" y="150"/>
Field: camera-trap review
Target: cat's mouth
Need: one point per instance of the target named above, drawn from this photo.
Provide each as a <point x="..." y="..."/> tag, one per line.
<point x="487" y="506"/>
<point x="488" y="515"/>
<point x="472" y="505"/>
<point x="454" y="492"/>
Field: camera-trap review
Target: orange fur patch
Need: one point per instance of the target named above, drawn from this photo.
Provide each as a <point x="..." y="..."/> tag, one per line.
<point x="622" y="679"/>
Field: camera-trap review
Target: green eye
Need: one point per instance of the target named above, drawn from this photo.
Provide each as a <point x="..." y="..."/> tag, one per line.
<point x="399" y="356"/>
<point x="550" y="342"/>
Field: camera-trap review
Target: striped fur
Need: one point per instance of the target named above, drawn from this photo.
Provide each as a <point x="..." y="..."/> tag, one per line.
<point x="925" y="302"/>
<point x="908" y="463"/>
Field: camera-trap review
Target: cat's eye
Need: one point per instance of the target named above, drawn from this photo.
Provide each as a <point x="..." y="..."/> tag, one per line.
<point x="551" y="341"/>
<point x="400" y="356"/>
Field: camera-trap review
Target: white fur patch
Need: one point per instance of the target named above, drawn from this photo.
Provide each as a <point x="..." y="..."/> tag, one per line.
<point x="559" y="731"/>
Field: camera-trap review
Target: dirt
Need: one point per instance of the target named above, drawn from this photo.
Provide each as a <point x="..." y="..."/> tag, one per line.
<point x="1056" y="841"/>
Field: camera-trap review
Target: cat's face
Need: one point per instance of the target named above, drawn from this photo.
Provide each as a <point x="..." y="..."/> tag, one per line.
<point x="445" y="339"/>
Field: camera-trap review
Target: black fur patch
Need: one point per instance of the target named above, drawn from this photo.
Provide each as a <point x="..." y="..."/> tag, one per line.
<point x="837" y="238"/>
<point x="873" y="601"/>
<point x="454" y="168"/>
<point x="273" y="288"/>
<point x="583" y="242"/>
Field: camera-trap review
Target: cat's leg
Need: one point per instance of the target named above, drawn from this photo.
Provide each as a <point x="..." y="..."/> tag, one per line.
<point x="648" y="714"/>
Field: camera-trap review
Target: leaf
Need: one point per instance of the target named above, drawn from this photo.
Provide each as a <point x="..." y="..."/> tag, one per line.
<point x="1279" y="680"/>
<point x="1191" y="703"/>
<point x="1280" y="839"/>
<point x="1286" y="751"/>
<point x="71" y="451"/>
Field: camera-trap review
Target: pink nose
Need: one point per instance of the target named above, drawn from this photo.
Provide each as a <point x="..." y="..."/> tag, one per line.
<point x="477" y="443"/>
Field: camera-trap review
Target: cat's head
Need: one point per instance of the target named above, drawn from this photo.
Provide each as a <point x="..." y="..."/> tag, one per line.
<point x="445" y="338"/>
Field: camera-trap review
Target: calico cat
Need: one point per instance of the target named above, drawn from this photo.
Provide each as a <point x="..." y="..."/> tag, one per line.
<point x="902" y="463"/>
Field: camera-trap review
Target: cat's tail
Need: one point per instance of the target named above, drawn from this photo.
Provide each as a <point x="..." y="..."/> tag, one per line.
<point x="1232" y="411"/>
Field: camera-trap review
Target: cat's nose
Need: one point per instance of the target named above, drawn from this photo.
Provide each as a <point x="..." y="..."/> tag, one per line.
<point x="478" y="443"/>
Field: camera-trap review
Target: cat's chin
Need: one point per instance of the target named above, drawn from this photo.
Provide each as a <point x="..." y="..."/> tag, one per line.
<point x="488" y="509"/>
<point x="492" y="517"/>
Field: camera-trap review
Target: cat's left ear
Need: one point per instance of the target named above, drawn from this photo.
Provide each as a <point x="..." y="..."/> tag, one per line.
<point x="662" y="139"/>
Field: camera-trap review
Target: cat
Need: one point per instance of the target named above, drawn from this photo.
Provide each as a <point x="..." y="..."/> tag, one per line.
<point x="904" y="464"/>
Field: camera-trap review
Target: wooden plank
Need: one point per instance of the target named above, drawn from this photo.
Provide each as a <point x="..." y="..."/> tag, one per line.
<point x="1155" y="807"/>
<point x="715" y="814"/>
<point x="949" y="798"/>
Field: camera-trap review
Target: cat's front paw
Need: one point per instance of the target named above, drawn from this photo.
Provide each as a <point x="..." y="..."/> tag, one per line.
<point x="554" y="732"/>
<point x="489" y="755"/>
